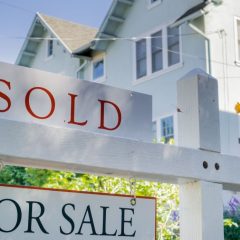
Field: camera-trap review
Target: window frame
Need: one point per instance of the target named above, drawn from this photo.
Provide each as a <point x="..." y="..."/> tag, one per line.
<point x="237" y="44"/>
<point x="150" y="74"/>
<point x="81" y="67"/>
<point x="158" y="120"/>
<point x="103" y="77"/>
<point x="161" y="128"/>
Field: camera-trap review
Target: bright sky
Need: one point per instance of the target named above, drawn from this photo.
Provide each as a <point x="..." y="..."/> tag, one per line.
<point x="16" y="17"/>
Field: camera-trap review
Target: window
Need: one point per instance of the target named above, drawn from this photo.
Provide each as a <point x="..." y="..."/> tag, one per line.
<point x="157" y="51"/>
<point x="141" y="58"/>
<point x="98" y="69"/>
<point x="161" y="51"/>
<point x="167" y="129"/>
<point x="173" y="46"/>
<point x="237" y="37"/>
<point x="50" y="48"/>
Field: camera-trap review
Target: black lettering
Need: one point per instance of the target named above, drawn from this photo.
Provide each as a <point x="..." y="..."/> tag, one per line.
<point x="68" y="219"/>
<point x="123" y="221"/>
<point x="89" y="213"/>
<point x="19" y="216"/>
<point x="104" y="231"/>
<point x="37" y="218"/>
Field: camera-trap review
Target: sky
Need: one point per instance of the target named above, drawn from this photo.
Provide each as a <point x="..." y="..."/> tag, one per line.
<point x="16" y="17"/>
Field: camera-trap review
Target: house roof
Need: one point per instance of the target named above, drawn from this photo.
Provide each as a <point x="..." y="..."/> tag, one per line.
<point x="194" y="9"/>
<point x="72" y="36"/>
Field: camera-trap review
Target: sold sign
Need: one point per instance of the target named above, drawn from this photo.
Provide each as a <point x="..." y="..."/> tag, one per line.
<point x="39" y="97"/>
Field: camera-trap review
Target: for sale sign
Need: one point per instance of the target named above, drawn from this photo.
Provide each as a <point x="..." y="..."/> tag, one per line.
<point x="33" y="214"/>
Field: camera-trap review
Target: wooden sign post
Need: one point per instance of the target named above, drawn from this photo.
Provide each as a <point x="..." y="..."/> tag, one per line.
<point x="201" y="204"/>
<point x="201" y="172"/>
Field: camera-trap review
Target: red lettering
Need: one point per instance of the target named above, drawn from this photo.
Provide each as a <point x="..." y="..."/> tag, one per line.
<point x="5" y="97"/>
<point x="72" y="116"/>
<point x="102" y="115"/>
<point x="28" y="107"/>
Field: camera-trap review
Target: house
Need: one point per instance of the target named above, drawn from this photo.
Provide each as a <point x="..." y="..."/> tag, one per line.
<point x="147" y="46"/>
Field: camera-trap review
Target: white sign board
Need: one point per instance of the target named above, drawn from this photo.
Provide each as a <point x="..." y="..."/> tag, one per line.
<point x="33" y="214"/>
<point x="34" y="96"/>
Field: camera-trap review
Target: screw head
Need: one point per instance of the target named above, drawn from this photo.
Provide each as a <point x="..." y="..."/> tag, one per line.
<point x="205" y="165"/>
<point x="133" y="201"/>
<point x="217" y="166"/>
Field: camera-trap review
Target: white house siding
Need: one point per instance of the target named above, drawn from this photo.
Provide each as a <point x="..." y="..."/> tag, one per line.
<point x="223" y="51"/>
<point x="60" y="62"/>
<point x="120" y="55"/>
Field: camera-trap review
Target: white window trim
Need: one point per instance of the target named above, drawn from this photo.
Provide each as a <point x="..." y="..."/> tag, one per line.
<point x="237" y="56"/>
<point x="80" y="68"/>
<point x="49" y="57"/>
<point x="158" y="126"/>
<point x="103" y="78"/>
<point x="166" y="68"/>
<point x="153" y="5"/>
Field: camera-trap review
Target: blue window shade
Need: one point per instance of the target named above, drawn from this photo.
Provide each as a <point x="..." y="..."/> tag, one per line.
<point x="98" y="69"/>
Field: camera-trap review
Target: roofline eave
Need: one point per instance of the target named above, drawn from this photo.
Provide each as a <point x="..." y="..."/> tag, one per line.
<point x="20" y="54"/>
<point x="105" y="21"/>
<point x="189" y="18"/>
<point x="83" y="48"/>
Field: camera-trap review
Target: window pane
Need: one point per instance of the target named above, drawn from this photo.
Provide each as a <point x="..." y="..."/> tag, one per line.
<point x="157" y="56"/>
<point x="141" y="58"/>
<point x="50" y="48"/>
<point x="167" y="129"/>
<point x="98" y="69"/>
<point x="173" y="46"/>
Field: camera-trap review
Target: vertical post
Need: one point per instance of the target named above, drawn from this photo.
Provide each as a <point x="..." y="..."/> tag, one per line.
<point x="201" y="205"/>
<point x="201" y="211"/>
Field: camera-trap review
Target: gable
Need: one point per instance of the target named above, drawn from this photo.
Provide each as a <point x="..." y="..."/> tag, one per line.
<point x="71" y="35"/>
